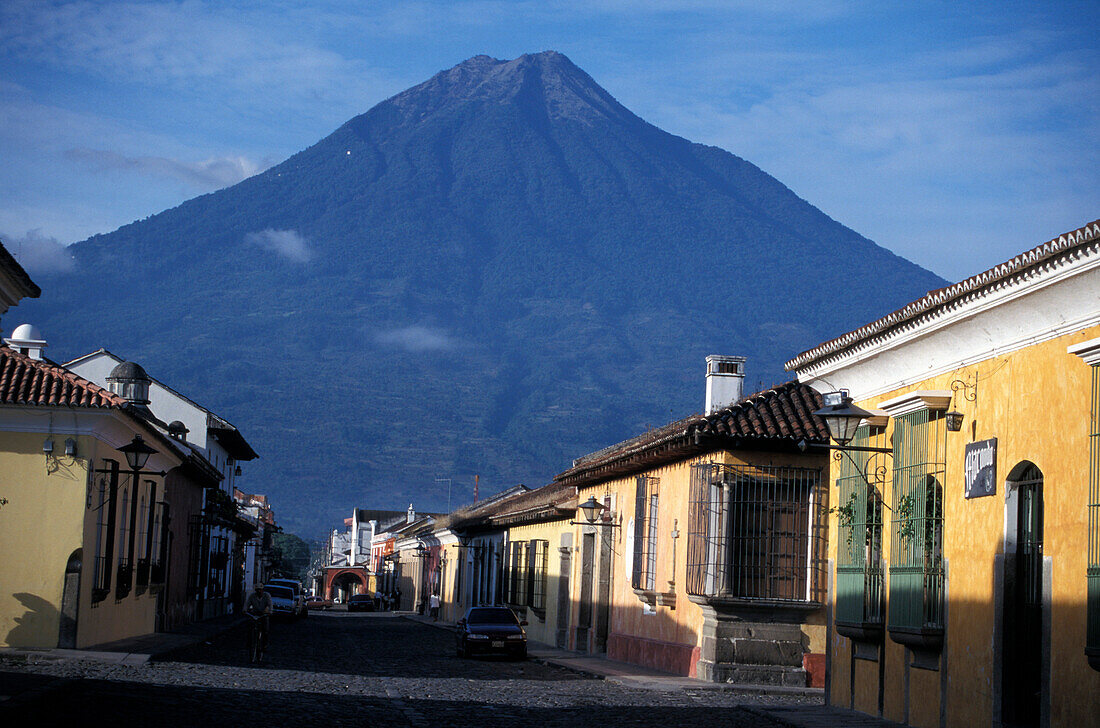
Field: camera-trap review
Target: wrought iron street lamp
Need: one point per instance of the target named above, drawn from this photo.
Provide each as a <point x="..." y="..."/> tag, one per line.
<point x="592" y="510"/>
<point x="137" y="453"/>
<point x="842" y="419"/>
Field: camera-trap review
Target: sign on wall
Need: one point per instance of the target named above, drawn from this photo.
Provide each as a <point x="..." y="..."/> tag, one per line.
<point x="981" y="468"/>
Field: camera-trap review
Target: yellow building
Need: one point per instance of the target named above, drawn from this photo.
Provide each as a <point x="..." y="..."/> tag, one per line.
<point x="83" y="544"/>
<point x="707" y="558"/>
<point x="966" y="557"/>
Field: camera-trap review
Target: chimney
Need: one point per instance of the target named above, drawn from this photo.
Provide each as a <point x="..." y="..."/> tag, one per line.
<point x="27" y="339"/>
<point x="725" y="381"/>
<point x="410" y="515"/>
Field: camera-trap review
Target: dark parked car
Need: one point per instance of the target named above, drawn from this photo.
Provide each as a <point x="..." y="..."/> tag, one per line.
<point x="361" y="603"/>
<point x="490" y="630"/>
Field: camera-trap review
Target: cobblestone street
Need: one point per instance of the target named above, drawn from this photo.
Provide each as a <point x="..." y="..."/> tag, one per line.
<point x="348" y="670"/>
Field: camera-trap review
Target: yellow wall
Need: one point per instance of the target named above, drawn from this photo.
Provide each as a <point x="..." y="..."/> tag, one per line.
<point x="45" y="521"/>
<point x="543" y="627"/>
<point x="39" y="528"/>
<point x="680" y="623"/>
<point x="1035" y="402"/>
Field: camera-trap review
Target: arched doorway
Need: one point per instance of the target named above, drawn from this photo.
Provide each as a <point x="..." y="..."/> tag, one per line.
<point x="1024" y="637"/>
<point x="343" y="584"/>
<point x="70" y="601"/>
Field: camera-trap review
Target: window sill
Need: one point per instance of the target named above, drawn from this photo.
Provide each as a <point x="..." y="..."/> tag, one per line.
<point x="923" y="639"/>
<point x="655" y="598"/>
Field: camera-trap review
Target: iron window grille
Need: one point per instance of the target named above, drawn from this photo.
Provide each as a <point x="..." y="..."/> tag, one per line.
<point x="197" y="570"/>
<point x="538" y="552"/>
<point x="104" y="535"/>
<point x="646" y="500"/>
<point x="859" y="573"/>
<point x="159" y="550"/>
<point x="756" y="533"/>
<point x="916" y="553"/>
<point x="516" y="572"/>
<point x="124" y="575"/>
<point x="1092" y="644"/>
<point x="219" y="563"/>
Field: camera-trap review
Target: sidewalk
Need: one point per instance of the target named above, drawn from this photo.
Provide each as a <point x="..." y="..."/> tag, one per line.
<point x="644" y="678"/>
<point x="134" y="650"/>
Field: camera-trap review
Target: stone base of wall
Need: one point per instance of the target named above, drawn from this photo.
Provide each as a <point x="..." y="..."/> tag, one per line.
<point x="671" y="657"/>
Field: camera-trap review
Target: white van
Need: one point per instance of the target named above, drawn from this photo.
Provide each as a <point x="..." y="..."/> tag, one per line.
<point x="299" y="598"/>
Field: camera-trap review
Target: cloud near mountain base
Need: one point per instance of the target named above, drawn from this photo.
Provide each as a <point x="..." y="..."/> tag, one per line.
<point x="286" y="244"/>
<point x="39" y="254"/>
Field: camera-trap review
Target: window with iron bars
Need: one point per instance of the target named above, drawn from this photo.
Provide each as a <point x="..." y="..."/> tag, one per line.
<point x="526" y="573"/>
<point x="644" y="571"/>
<point x="916" y="533"/>
<point x="859" y="573"/>
<point x="124" y="577"/>
<point x="516" y="591"/>
<point x="756" y="533"/>
<point x="1092" y="642"/>
<point x="538" y="552"/>
<point x="103" y="565"/>
<point x="219" y="564"/>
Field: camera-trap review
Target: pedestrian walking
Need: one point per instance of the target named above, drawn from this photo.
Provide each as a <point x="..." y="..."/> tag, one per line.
<point x="433" y="607"/>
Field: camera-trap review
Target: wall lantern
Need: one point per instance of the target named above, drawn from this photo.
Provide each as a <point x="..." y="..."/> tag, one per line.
<point x="841" y="417"/>
<point x="592" y="509"/>
<point x="237" y="471"/>
<point x="420" y="551"/>
<point x="47" y="448"/>
<point x="137" y="453"/>
<point x="70" y="447"/>
<point x="954" y="420"/>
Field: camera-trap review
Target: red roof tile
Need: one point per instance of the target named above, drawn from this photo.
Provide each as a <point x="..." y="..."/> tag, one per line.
<point x="779" y="417"/>
<point x="26" y="381"/>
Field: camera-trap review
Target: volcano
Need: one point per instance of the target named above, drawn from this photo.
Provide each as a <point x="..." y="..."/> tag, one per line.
<point x="493" y="272"/>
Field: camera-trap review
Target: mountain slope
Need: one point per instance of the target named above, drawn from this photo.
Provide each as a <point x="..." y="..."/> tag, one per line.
<point x="493" y="272"/>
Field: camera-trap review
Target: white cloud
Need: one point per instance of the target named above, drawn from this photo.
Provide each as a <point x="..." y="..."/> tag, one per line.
<point x="187" y="45"/>
<point x="285" y="243"/>
<point x="38" y="253"/>
<point x="416" y="339"/>
<point x="210" y="174"/>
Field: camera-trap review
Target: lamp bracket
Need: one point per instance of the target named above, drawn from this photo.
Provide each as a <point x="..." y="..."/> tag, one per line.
<point x="850" y="448"/>
<point x="969" y="388"/>
<point x="607" y="524"/>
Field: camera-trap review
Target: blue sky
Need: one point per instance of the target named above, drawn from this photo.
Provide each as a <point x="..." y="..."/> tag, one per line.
<point x="954" y="134"/>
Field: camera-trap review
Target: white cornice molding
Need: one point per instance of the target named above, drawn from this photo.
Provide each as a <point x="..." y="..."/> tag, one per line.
<point x="930" y="399"/>
<point x="997" y="293"/>
<point x="1089" y="351"/>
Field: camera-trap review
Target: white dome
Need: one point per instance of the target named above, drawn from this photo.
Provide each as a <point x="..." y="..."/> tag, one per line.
<point x="26" y="332"/>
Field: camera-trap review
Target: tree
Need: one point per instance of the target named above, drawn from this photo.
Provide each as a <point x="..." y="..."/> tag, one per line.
<point x="290" y="556"/>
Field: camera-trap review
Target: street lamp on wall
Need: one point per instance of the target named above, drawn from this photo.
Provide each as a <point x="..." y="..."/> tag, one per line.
<point x="137" y="453"/>
<point x="592" y="509"/>
<point x="842" y="419"/>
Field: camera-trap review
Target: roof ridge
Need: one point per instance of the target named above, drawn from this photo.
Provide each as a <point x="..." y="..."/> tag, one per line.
<point x="941" y="297"/>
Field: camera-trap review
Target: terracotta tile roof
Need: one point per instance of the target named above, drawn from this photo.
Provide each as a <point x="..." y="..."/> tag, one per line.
<point x="776" y="418"/>
<point x="550" y="502"/>
<point x="1082" y="241"/>
<point x="26" y="381"/>
<point x="11" y="266"/>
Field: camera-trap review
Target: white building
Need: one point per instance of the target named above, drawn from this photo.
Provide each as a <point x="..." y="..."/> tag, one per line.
<point x="222" y="445"/>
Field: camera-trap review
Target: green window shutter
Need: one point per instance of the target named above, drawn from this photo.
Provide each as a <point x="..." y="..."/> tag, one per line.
<point x="916" y="554"/>
<point x="1092" y="648"/>
<point x="859" y="578"/>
